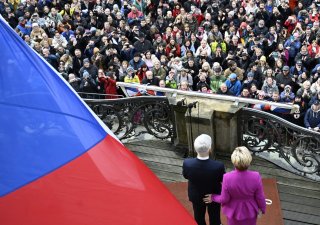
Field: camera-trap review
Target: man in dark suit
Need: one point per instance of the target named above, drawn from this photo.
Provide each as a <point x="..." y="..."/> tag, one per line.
<point x="205" y="176"/>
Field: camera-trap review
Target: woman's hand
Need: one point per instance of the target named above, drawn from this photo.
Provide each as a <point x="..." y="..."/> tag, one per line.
<point x="259" y="214"/>
<point x="208" y="199"/>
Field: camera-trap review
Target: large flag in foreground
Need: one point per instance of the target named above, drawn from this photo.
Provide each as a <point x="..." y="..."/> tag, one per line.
<point x="59" y="164"/>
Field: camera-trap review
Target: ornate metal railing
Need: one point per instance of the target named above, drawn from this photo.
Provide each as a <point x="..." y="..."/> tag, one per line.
<point x="291" y="147"/>
<point x="132" y="117"/>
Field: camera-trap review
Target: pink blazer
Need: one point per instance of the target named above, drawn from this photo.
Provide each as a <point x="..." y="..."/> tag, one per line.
<point x="242" y="195"/>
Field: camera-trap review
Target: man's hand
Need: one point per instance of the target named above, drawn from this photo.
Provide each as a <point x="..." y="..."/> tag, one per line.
<point x="208" y="199"/>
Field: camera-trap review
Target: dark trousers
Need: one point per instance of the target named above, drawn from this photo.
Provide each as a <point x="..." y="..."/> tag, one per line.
<point x="199" y="209"/>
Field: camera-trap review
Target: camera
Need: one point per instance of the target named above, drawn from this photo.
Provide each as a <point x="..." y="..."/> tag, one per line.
<point x="287" y="91"/>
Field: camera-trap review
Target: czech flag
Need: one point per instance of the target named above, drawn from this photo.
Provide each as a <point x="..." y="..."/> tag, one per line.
<point x="59" y="164"/>
<point x="271" y="108"/>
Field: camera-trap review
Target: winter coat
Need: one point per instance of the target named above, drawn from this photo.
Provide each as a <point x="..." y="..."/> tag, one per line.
<point x="282" y="79"/>
<point x="237" y="71"/>
<point x="143" y="46"/>
<point x="92" y="70"/>
<point x="132" y="79"/>
<point x="136" y="65"/>
<point x="88" y="85"/>
<point x="215" y="82"/>
<point x="171" y="84"/>
<point x="312" y="118"/>
<point x="161" y="73"/>
<point x="289" y="98"/>
<point x="294" y="47"/>
<point x="268" y="90"/>
<point x="187" y="78"/>
<point x="234" y="87"/>
<point x="154" y="81"/>
<point x="109" y="86"/>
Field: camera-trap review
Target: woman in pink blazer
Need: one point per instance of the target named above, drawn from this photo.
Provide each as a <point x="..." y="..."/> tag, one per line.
<point x="242" y="196"/>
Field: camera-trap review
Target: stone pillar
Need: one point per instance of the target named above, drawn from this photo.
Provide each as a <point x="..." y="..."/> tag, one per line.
<point x="226" y="130"/>
<point x="181" y="126"/>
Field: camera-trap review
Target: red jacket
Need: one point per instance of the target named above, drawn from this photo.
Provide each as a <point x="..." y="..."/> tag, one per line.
<point x="176" y="52"/>
<point x="110" y="87"/>
<point x="175" y="12"/>
<point x="311" y="51"/>
<point x="290" y="26"/>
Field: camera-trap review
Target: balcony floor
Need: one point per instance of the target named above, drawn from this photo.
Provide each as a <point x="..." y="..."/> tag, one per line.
<point x="300" y="197"/>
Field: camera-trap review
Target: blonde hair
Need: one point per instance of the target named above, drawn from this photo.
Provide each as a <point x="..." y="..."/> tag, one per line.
<point x="241" y="158"/>
<point x="206" y="64"/>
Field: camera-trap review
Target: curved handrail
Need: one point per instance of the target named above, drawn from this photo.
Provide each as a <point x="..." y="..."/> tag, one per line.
<point x="174" y="92"/>
<point x="289" y="124"/>
<point x="131" y="117"/>
<point x="290" y="146"/>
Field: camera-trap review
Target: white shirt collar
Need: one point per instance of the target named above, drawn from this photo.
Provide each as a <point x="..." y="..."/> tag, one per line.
<point x="203" y="158"/>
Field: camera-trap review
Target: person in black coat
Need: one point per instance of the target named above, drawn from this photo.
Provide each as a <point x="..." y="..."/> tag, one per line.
<point x="312" y="117"/>
<point x="204" y="175"/>
<point x="223" y="90"/>
<point x="150" y="79"/>
<point x="142" y="45"/>
<point x="77" y="61"/>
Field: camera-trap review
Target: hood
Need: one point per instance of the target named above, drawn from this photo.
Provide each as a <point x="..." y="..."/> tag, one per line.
<point x="315" y="111"/>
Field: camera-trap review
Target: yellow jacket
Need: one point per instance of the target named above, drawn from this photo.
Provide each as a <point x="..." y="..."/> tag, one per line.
<point x="134" y="79"/>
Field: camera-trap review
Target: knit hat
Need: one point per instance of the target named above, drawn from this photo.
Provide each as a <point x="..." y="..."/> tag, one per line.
<point x="285" y="68"/>
<point x="250" y="74"/>
<point x="130" y="69"/>
<point x="85" y="74"/>
<point x="86" y="60"/>
<point x="243" y="24"/>
<point x="233" y="76"/>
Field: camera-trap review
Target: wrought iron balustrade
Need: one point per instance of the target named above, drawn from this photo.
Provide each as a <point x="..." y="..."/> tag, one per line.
<point x="131" y="117"/>
<point x="291" y="147"/>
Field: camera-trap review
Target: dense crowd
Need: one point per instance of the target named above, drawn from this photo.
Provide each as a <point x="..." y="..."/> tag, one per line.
<point x="250" y="48"/>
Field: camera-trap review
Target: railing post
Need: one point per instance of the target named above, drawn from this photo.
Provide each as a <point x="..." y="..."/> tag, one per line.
<point x="181" y="139"/>
<point x="226" y="131"/>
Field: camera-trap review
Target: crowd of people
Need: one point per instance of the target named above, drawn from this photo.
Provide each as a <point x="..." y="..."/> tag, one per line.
<point x="263" y="49"/>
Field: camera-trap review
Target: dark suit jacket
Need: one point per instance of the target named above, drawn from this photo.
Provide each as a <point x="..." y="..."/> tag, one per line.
<point x="205" y="177"/>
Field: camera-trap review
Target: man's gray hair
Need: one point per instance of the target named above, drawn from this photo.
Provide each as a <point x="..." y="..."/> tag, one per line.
<point x="202" y="143"/>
